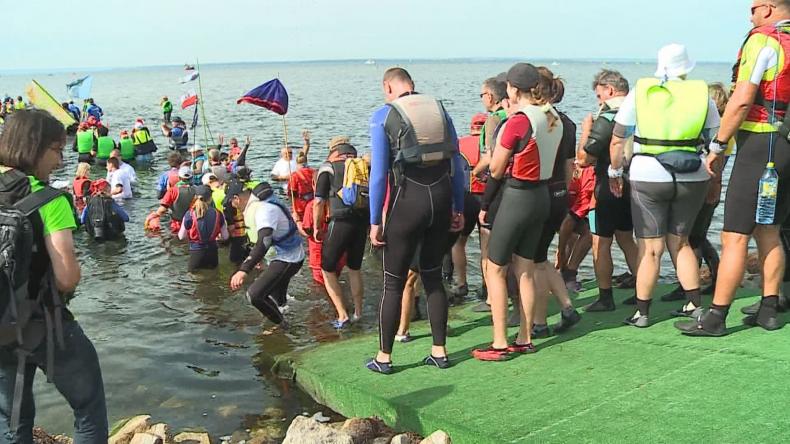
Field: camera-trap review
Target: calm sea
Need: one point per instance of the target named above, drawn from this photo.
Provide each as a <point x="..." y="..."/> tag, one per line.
<point x="185" y="348"/>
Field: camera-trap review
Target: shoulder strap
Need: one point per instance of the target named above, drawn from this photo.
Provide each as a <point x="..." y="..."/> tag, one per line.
<point x="34" y="201"/>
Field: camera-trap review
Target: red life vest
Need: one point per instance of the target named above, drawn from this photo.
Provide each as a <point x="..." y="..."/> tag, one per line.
<point x="172" y="178"/>
<point x="194" y="230"/>
<point x="302" y="183"/>
<point x="79" y="187"/>
<point x="470" y="150"/>
<point x="778" y="89"/>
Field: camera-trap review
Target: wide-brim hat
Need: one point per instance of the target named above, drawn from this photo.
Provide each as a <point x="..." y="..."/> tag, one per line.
<point x="674" y="61"/>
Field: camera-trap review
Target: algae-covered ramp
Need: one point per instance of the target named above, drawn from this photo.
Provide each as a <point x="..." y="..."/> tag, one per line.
<point x="603" y="382"/>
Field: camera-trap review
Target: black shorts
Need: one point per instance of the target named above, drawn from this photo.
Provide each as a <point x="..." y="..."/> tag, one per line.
<point x="701" y="225"/>
<point x="344" y="236"/>
<point x="740" y="204"/>
<point x="205" y="259"/>
<point x="557" y="212"/>
<point x="518" y="227"/>
<point x="611" y="214"/>
<point x="471" y="213"/>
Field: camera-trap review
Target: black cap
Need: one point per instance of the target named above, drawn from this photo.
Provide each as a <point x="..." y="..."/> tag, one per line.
<point x="203" y="192"/>
<point x="178" y="119"/>
<point x="263" y="191"/>
<point x="523" y="76"/>
<point x="244" y="173"/>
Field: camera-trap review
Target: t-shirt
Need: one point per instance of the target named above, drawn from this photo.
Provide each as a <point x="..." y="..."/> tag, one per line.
<point x="323" y="185"/>
<point x="122" y="179"/>
<point x="280" y="168"/>
<point x="648" y="168"/>
<point x="56" y="215"/>
<point x="270" y="216"/>
<point x="129" y="170"/>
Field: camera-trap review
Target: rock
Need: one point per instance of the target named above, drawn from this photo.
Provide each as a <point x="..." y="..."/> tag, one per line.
<point x="42" y="437"/>
<point x="161" y="430"/>
<point x="381" y="440"/>
<point x="173" y="403"/>
<point x="307" y="431"/>
<point x="362" y="430"/>
<point x="437" y="437"/>
<point x="753" y="263"/>
<point x="134" y="425"/>
<point x="319" y="416"/>
<point x="274" y="413"/>
<point x="146" y="438"/>
<point x="226" y="411"/>
<point x="192" y="438"/>
<point x="61" y="439"/>
<point x="406" y="438"/>
<point x="239" y="437"/>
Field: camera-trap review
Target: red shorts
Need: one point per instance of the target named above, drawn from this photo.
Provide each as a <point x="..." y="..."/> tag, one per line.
<point x="314" y="254"/>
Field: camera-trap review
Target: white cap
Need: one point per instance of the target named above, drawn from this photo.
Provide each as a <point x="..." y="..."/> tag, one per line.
<point x="673" y="61"/>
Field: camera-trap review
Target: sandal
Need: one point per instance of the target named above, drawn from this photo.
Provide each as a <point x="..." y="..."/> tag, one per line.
<point x="339" y="325"/>
<point x="491" y="354"/>
<point x="515" y="347"/>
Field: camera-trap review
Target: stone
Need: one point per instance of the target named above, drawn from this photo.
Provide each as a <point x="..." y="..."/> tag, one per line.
<point x="437" y="437"/>
<point x="226" y="411"/>
<point x="382" y="440"/>
<point x="238" y="437"/>
<point x="192" y="438"/>
<point x="161" y="430"/>
<point x="406" y="438"/>
<point x="753" y="263"/>
<point x="134" y="425"/>
<point x="42" y="437"/>
<point x="308" y="431"/>
<point x="362" y="430"/>
<point x="146" y="438"/>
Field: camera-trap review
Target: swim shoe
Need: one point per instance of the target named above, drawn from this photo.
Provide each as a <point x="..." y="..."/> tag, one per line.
<point x="491" y="354"/>
<point x="514" y="320"/>
<point x="482" y="307"/>
<point x="638" y="320"/>
<point x="688" y="310"/>
<point x="628" y="281"/>
<point x="385" y="368"/>
<point x="461" y="291"/>
<point x="523" y="349"/>
<point x="766" y="316"/>
<point x="675" y="295"/>
<point x="600" y="305"/>
<point x="442" y="363"/>
<point x="540" y="331"/>
<point x="781" y="306"/>
<point x="568" y="318"/>
<point x="340" y="325"/>
<point x="709" y="323"/>
<point x="403" y="339"/>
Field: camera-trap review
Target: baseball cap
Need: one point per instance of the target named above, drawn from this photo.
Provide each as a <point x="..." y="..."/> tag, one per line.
<point x="523" y="76"/>
<point x="185" y="172"/>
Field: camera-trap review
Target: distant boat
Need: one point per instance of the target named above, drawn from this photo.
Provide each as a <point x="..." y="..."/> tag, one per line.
<point x="188" y="67"/>
<point x="370" y="62"/>
<point x="555" y="64"/>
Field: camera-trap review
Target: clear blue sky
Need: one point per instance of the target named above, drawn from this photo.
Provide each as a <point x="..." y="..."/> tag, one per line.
<point x="58" y="34"/>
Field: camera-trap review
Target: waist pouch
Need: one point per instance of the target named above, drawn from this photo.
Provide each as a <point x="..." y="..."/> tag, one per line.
<point x="679" y="161"/>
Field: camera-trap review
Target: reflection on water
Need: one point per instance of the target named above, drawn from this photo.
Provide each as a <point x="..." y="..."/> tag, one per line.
<point x="183" y="347"/>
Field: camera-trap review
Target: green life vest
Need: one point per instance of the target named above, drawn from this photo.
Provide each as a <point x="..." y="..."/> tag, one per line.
<point x="167" y="107"/>
<point x="249" y="220"/>
<point x="84" y="142"/>
<point x="670" y="116"/>
<point x="19" y="105"/>
<point x="127" y="149"/>
<point x="251" y="184"/>
<point x="106" y="145"/>
<point x="141" y="136"/>
<point x="502" y="117"/>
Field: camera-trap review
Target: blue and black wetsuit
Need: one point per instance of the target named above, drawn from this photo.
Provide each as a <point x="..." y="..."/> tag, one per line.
<point x="418" y="211"/>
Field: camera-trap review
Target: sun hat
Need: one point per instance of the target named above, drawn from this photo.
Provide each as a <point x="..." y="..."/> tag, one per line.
<point x="673" y="61"/>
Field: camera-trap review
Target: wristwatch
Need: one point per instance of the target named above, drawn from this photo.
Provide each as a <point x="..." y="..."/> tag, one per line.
<point x="615" y="173"/>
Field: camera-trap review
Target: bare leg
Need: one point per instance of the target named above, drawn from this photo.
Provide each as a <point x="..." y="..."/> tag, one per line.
<point x="484" y="235"/>
<point x="732" y="266"/>
<point x="459" y="259"/>
<point x="602" y="261"/>
<point x="773" y="258"/>
<point x="525" y="272"/>
<point x="357" y="290"/>
<point x="580" y="250"/>
<point x="409" y="292"/>
<point x="497" y="292"/>
<point x="625" y="239"/>
<point x="335" y="293"/>
<point x="541" y="296"/>
<point x="686" y="264"/>
<point x="650" y="252"/>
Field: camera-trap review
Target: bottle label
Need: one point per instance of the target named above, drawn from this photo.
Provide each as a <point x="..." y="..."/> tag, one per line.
<point x="769" y="189"/>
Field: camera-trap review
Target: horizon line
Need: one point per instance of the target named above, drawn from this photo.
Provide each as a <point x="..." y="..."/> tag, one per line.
<point x="20" y="71"/>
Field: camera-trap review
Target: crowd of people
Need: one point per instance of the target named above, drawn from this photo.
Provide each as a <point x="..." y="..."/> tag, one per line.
<point x="645" y="171"/>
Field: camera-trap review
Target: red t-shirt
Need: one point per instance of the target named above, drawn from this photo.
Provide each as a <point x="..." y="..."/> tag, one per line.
<point x="526" y="163"/>
<point x="581" y="192"/>
<point x="170" y="197"/>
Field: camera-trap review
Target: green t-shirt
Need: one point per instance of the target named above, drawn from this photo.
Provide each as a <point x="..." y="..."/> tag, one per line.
<point x="57" y="215"/>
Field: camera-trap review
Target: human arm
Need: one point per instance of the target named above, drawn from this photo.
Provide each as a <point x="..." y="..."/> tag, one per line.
<point x="120" y="212"/>
<point x="306" y="139"/>
<point x="65" y="267"/>
<point x="243" y="156"/>
<point x="322" y="189"/>
<point x="583" y="156"/>
<point x="182" y="232"/>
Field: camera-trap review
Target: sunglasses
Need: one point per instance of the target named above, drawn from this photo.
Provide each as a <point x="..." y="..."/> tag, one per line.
<point x="755" y="8"/>
<point x="485" y="93"/>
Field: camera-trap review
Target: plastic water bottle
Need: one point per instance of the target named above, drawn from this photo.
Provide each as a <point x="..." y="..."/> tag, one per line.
<point x="766" y="197"/>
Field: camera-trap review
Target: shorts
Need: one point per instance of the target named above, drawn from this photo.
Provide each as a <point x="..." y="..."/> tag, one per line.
<point x="471" y="213"/>
<point x="518" y="229"/>
<point x="557" y="212"/>
<point x="346" y="236"/>
<point x="611" y="215"/>
<point x="740" y="204"/>
<point x="661" y="208"/>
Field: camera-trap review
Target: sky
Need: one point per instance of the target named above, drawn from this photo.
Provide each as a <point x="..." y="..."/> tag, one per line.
<point x="62" y="34"/>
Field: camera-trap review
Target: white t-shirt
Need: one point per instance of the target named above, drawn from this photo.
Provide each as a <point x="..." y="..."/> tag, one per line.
<point x="129" y="170"/>
<point x="280" y="168"/>
<point x="120" y="177"/>
<point x="649" y="169"/>
<point x="270" y="216"/>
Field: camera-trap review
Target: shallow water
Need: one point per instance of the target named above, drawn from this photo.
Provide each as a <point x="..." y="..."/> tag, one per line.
<point x="185" y="348"/>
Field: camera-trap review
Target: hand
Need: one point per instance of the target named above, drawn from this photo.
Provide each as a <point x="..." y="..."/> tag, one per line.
<point x="301" y="231"/>
<point x="306" y="136"/>
<point x="247" y="140"/>
<point x="318" y="236"/>
<point x="712" y="164"/>
<point x="237" y="280"/>
<point x="587" y="124"/>
<point x="482" y="217"/>
<point x="221" y="138"/>
<point x="616" y="186"/>
<point x="457" y="222"/>
<point x="577" y="171"/>
<point x="376" y="236"/>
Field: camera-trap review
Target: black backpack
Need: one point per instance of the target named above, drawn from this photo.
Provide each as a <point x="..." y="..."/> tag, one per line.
<point x="102" y="223"/>
<point x="18" y="304"/>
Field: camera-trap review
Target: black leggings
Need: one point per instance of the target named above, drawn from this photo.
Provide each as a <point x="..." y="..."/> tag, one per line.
<point x="268" y="292"/>
<point x="419" y="213"/>
<point x="238" y="250"/>
<point x="205" y="259"/>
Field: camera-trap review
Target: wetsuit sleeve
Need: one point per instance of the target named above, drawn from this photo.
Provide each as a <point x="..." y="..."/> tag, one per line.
<point x="600" y="138"/>
<point x="492" y="188"/>
<point x="242" y="157"/>
<point x="120" y="212"/>
<point x="379" y="163"/>
<point x="84" y="216"/>
<point x="458" y="177"/>
<point x="517" y="130"/>
<point x="323" y="185"/>
<point x="258" y="251"/>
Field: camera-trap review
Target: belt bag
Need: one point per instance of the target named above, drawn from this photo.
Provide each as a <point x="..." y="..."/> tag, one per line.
<point x="679" y="161"/>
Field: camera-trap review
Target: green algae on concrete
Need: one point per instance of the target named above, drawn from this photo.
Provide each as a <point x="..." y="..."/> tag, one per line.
<point x="601" y="382"/>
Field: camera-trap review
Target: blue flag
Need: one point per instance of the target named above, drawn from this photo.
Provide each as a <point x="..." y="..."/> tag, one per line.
<point x="81" y="88"/>
<point x="271" y="95"/>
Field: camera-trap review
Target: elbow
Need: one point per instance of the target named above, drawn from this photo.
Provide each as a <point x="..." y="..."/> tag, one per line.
<point x="67" y="282"/>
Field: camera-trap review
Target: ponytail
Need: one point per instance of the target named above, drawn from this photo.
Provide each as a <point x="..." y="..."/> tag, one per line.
<point x="200" y="207"/>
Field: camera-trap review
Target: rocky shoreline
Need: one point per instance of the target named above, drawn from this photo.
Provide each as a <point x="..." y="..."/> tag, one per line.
<point x="303" y="430"/>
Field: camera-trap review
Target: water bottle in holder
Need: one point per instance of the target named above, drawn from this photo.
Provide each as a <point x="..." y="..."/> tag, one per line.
<point x="766" y="196"/>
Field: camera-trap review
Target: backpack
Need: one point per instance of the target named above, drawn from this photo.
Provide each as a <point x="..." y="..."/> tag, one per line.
<point x="102" y="223"/>
<point x="356" y="184"/>
<point x="18" y="215"/>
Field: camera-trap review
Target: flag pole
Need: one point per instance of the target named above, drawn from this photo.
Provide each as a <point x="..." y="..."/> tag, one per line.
<point x="290" y="173"/>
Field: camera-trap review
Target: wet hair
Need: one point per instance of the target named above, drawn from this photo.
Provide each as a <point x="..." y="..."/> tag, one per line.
<point x="497" y="88"/>
<point x="102" y="131"/>
<point x="608" y="77"/>
<point x="174" y="160"/>
<point x="398" y="74"/>
<point x="27" y="136"/>
<point x="719" y="95"/>
<point x="83" y="169"/>
<point x="556" y="86"/>
<point x="114" y="162"/>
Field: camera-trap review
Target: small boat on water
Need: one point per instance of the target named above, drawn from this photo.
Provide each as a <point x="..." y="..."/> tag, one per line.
<point x="188" y="67"/>
<point x="370" y="62"/>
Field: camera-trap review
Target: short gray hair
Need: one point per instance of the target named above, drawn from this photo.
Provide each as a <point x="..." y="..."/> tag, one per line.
<point x="608" y="77"/>
<point x="498" y="88"/>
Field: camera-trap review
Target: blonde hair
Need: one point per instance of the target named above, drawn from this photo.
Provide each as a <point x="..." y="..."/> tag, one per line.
<point x="301" y="159"/>
<point x="719" y="95"/>
<point x="199" y="207"/>
<point x="83" y="169"/>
